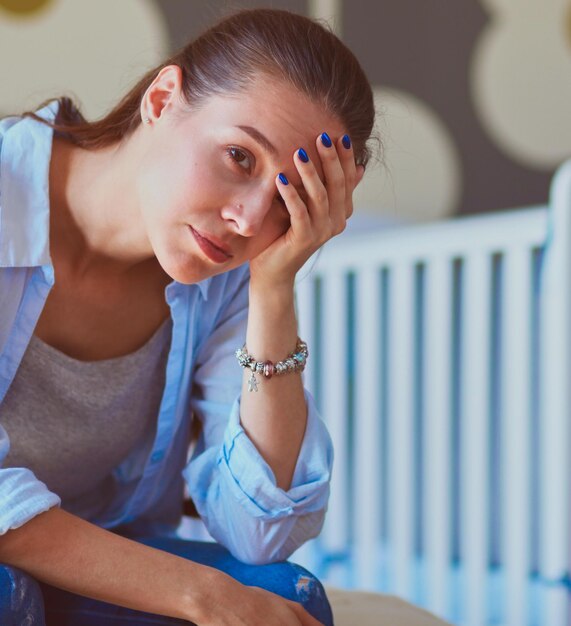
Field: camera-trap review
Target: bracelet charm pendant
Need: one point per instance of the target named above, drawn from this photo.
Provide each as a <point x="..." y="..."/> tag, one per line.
<point x="252" y="382"/>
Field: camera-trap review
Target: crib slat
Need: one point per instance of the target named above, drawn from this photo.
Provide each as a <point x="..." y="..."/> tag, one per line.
<point x="400" y="422"/>
<point x="335" y="536"/>
<point x="437" y="430"/>
<point x="475" y="392"/>
<point x="556" y="388"/>
<point x="368" y="496"/>
<point x="516" y="430"/>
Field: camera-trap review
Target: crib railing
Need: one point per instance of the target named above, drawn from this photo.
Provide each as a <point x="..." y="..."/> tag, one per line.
<point x="439" y="358"/>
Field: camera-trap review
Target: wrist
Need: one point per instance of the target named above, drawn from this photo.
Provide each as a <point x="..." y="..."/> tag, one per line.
<point x="280" y="295"/>
<point x="204" y="593"/>
<point x="267" y="286"/>
<point x="272" y="324"/>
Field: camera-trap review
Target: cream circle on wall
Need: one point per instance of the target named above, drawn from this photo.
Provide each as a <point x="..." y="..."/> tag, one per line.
<point x="93" y="51"/>
<point x="521" y="80"/>
<point x="420" y="178"/>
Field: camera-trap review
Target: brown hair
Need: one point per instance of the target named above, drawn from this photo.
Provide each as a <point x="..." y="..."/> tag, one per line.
<point x="228" y="57"/>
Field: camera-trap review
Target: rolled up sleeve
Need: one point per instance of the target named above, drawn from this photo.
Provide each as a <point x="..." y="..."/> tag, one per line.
<point x="22" y="495"/>
<point x="233" y="488"/>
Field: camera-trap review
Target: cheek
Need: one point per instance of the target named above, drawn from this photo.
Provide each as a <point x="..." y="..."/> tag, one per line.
<point x="182" y="194"/>
<point x="206" y="186"/>
<point x="158" y="189"/>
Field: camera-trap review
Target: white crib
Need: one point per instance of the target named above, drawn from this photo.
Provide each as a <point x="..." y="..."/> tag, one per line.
<point x="440" y="360"/>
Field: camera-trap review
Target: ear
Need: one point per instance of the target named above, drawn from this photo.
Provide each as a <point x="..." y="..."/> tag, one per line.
<point x="359" y="173"/>
<point x="163" y="94"/>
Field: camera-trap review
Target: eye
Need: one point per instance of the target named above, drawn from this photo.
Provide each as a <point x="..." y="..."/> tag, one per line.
<point x="240" y="157"/>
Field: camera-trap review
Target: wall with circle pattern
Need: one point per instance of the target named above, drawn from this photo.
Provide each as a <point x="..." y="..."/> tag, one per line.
<point x="473" y="95"/>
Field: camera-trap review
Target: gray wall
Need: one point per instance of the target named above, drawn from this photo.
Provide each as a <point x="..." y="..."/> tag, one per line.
<point x="472" y="95"/>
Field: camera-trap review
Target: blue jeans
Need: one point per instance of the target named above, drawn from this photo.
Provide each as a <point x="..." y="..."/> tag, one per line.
<point x="25" y="601"/>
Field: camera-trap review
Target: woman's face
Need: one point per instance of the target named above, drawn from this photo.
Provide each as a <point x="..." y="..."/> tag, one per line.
<point x="211" y="171"/>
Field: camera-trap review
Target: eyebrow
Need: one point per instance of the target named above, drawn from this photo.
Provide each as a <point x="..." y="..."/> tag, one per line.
<point x="257" y="136"/>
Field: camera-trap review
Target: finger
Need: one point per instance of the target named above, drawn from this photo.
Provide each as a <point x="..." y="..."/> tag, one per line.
<point x="359" y="173"/>
<point x="317" y="193"/>
<point x="297" y="209"/>
<point x="335" y="179"/>
<point x="347" y="160"/>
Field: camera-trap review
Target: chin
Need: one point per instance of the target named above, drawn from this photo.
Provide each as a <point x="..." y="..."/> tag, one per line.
<point x="185" y="276"/>
<point x="187" y="269"/>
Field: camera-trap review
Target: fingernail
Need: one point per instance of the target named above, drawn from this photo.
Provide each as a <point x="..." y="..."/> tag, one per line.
<point x="326" y="140"/>
<point x="346" y="141"/>
<point x="302" y="154"/>
<point x="283" y="179"/>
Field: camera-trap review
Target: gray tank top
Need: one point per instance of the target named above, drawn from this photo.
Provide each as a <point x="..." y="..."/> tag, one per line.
<point x="72" y="422"/>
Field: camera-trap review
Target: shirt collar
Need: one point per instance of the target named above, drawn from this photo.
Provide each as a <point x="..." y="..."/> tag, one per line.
<point x="203" y="286"/>
<point x="25" y="154"/>
<point x="24" y="190"/>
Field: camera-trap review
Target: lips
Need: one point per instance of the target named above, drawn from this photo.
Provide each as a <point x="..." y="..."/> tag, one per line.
<point x="215" y="250"/>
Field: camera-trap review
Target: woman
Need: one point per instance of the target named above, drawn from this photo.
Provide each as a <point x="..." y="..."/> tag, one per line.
<point x="139" y="253"/>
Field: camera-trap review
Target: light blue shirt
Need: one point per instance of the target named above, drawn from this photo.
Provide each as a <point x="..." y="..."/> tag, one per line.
<point x="232" y="486"/>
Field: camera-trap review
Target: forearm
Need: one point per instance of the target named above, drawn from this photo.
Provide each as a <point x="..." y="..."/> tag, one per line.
<point x="67" y="552"/>
<point x="275" y="416"/>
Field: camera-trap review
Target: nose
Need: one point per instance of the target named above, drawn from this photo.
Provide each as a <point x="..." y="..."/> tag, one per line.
<point x="248" y="213"/>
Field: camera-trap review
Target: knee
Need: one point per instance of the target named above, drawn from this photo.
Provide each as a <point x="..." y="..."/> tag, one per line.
<point x="310" y="593"/>
<point x="21" y="601"/>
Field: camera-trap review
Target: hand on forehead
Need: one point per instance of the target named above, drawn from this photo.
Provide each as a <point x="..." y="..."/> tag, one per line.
<point x="282" y="120"/>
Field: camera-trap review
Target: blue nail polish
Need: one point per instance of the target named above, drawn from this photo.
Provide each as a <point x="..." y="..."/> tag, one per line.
<point x="346" y="141"/>
<point x="283" y="179"/>
<point x="302" y="154"/>
<point x="326" y="140"/>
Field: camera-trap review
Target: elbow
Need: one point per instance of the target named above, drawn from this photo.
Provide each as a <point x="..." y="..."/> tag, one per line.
<point x="278" y="540"/>
<point x="263" y="544"/>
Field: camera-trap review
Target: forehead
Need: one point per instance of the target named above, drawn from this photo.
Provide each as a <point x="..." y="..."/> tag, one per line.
<point x="283" y="114"/>
<point x="277" y="101"/>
